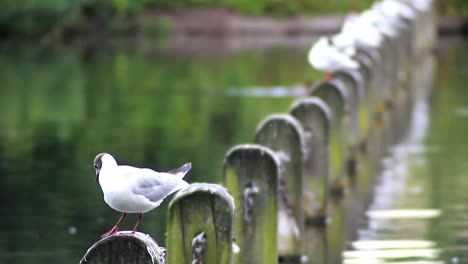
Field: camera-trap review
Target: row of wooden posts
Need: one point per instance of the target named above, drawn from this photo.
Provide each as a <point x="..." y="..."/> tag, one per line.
<point x="297" y="163"/>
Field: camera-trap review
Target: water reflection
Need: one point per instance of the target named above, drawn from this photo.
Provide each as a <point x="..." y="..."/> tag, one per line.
<point x="61" y="106"/>
<point x="398" y="219"/>
<point x="403" y="214"/>
<point x="419" y="212"/>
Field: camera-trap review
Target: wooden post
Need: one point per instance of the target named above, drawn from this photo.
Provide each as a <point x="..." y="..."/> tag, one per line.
<point x="124" y="248"/>
<point x="283" y="134"/>
<point x="251" y="176"/>
<point x="358" y="111"/>
<point x="388" y="77"/>
<point x="199" y="228"/>
<point x="316" y="244"/>
<point x="375" y="75"/>
<point x="365" y="65"/>
<point x="333" y="93"/>
<point x="314" y="116"/>
<point x="358" y="116"/>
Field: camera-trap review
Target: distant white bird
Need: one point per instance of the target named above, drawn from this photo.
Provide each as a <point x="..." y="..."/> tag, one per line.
<point x="385" y="25"/>
<point x="397" y="8"/>
<point x="355" y="32"/>
<point x="130" y="189"/>
<point x="422" y="5"/>
<point x="326" y="57"/>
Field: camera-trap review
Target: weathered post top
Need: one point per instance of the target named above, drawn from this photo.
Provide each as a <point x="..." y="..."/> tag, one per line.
<point x="353" y="79"/>
<point x="124" y="248"/>
<point x="359" y="114"/>
<point x="283" y="134"/>
<point x="251" y="176"/>
<point x="314" y="116"/>
<point x="199" y="227"/>
<point x="334" y="94"/>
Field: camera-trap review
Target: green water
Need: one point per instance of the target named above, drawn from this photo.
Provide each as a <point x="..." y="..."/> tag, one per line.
<point x="419" y="213"/>
<point x="62" y="105"/>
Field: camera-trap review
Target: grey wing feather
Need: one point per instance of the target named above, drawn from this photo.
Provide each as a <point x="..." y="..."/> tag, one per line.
<point x="183" y="169"/>
<point x="157" y="186"/>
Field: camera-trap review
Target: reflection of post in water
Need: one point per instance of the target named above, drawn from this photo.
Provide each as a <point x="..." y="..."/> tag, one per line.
<point x="251" y="176"/>
<point x="284" y="135"/>
<point x="314" y="116"/>
<point x="199" y="227"/>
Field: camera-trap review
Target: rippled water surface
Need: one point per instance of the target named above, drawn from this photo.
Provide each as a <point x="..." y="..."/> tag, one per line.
<point x="419" y="211"/>
<point x="61" y="106"/>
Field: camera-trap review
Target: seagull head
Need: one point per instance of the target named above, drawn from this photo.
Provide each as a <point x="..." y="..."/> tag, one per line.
<point x="101" y="160"/>
<point x="98" y="164"/>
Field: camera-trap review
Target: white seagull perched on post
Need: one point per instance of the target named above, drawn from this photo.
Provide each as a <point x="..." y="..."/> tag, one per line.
<point x="135" y="190"/>
<point x="323" y="55"/>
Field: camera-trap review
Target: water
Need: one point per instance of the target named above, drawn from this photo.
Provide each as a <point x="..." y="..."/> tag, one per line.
<point x="61" y="106"/>
<point x="419" y="211"/>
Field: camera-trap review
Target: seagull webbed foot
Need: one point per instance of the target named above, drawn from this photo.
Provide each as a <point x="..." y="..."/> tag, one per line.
<point x="110" y="232"/>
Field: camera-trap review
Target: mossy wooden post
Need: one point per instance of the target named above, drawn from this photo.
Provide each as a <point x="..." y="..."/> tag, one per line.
<point x="314" y="116"/>
<point x="366" y="64"/>
<point x="251" y="176"/>
<point x="359" y="118"/>
<point x="283" y="134"/>
<point x="316" y="245"/>
<point x="334" y="94"/>
<point x="374" y="80"/>
<point x="199" y="227"/>
<point x="124" y="248"/>
<point x="388" y="76"/>
<point x="359" y="111"/>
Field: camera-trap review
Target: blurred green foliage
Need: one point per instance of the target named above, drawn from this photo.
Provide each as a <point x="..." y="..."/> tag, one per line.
<point x="37" y="17"/>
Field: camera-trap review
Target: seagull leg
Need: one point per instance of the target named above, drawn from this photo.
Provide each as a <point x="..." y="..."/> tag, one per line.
<point x="137" y="224"/>
<point x="115" y="228"/>
<point x="328" y="76"/>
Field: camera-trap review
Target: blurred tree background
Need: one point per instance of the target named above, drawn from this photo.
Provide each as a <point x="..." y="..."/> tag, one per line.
<point x="39" y="17"/>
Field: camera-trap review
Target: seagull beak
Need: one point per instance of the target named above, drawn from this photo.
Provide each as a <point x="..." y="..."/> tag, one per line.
<point x="97" y="175"/>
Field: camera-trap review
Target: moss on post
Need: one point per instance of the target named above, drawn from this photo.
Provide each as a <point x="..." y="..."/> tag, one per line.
<point x="359" y="112"/>
<point x="314" y="116"/>
<point x="251" y="176"/>
<point x="199" y="228"/>
<point x="283" y="134"/>
<point x="359" y="116"/>
<point x="334" y="94"/>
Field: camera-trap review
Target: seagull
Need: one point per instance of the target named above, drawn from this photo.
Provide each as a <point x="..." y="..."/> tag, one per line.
<point x="397" y="8"/>
<point x="323" y="55"/>
<point x="359" y="33"/>
<point x="135" y="190"/>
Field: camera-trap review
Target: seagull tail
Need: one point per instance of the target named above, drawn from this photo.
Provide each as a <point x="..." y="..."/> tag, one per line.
<point x="181" y="171"/>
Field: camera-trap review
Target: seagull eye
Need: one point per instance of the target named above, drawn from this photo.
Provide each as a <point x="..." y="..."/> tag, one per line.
<point x="96" y="166"/>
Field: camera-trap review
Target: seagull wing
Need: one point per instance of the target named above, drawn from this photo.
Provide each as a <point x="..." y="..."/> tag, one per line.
<point x="156" y="186"/>
<point x="181" y="171"/>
